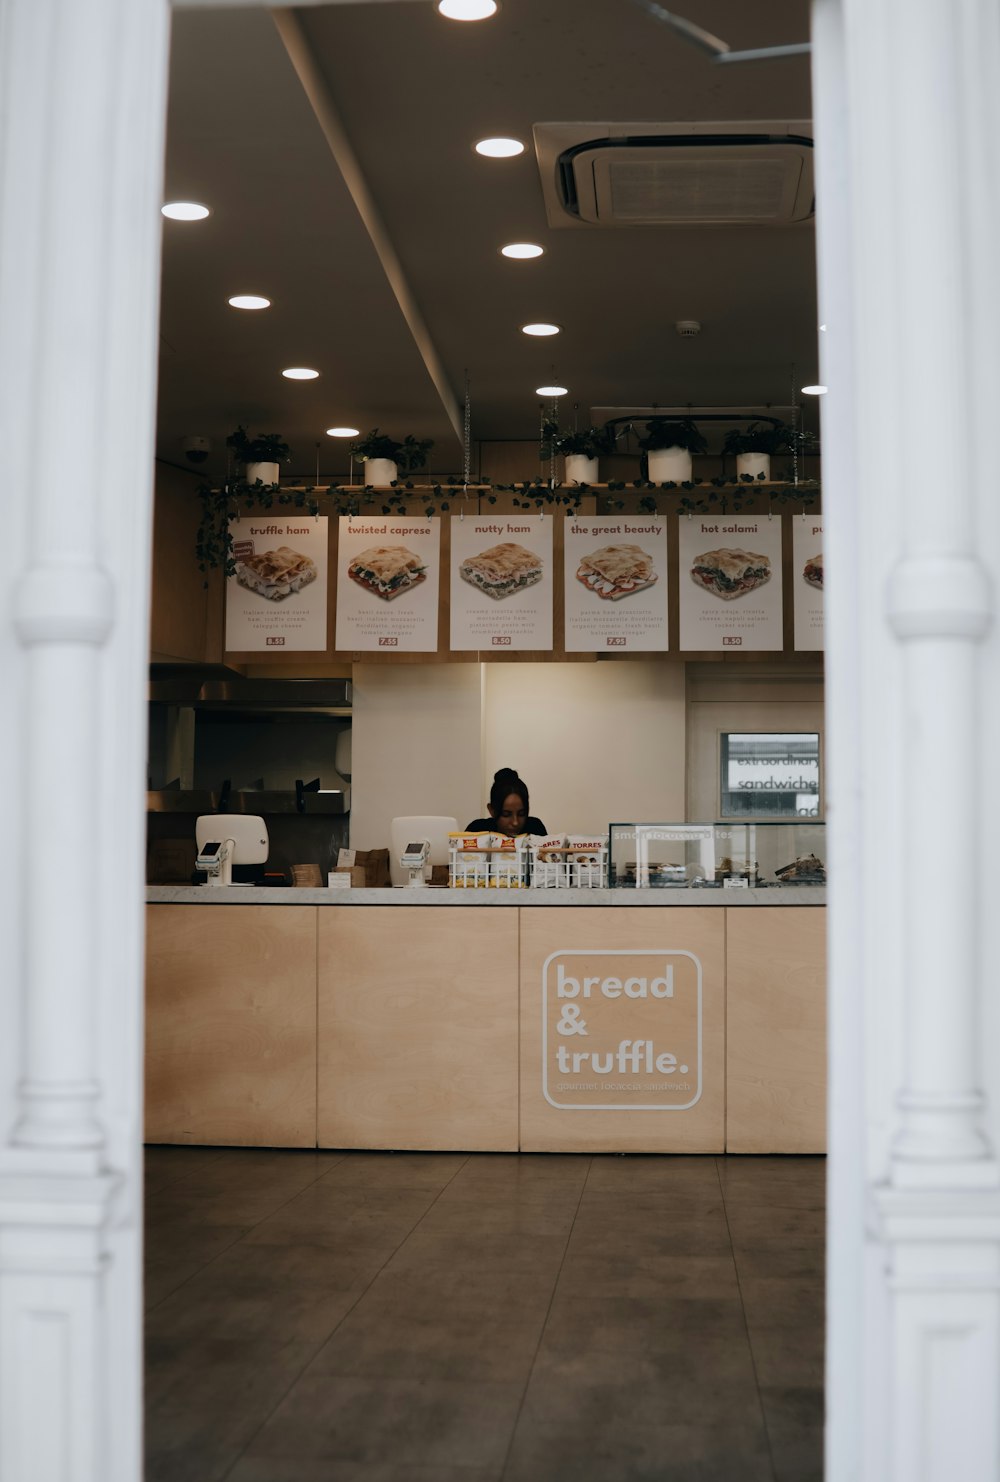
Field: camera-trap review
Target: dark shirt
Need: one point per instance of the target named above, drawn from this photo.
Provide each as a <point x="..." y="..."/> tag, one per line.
<point x="488" y="825"/>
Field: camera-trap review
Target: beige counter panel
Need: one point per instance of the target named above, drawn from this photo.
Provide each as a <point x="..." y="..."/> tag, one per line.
<point x="231" y="1026"/>
<point x="418" y="1029"/>
<point x="776" y="1032"/>
<point x="698" y="1129"/>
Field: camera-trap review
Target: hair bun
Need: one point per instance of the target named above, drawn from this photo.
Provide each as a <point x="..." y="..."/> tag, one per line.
<point x="506" y="774"/>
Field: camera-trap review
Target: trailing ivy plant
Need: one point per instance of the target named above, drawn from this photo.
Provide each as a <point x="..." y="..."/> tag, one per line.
<point x="768" y="435"/>
<point x="268" y="447"/>
<point x="214" y="539"/>
<point x="408" y="455"/>
<point x="593" y="442"/>
<point x="672" y="432"/>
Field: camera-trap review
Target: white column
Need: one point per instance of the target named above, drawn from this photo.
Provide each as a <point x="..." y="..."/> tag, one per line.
<point x="909" y="195"/>
<point x="83" y="85"/>
<point x="842" y="535"/>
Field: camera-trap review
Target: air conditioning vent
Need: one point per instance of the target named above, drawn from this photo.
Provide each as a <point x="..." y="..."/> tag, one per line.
<point x="675" y="175"/>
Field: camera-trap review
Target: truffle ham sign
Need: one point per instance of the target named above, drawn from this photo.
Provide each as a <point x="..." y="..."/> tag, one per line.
<point x="730" y="583"/>
<point x="276" y="596"/>
<point x="621" y="1030"/>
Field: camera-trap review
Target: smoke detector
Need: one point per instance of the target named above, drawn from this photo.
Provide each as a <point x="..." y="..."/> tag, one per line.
<point x="687" y="328"/>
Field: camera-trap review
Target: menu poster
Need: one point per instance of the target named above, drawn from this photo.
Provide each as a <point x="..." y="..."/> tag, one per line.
<point x="277" y="596"/>
<point x="807" y="580"/>
<point x="501" y="582"/>
<point x="387" y="584"/>
<point x="616" y="583"/>
<point x="730" y="583"/>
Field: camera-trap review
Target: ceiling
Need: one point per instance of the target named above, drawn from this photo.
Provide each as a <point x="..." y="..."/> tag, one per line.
<point x="334" y="147"/>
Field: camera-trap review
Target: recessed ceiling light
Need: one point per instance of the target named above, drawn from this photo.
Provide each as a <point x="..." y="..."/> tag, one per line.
<point x="343" y="431"/>
<point x="823" y="328"/>
<point x="184" y="211"/>
<point x="522" y="249"/>
<point x="551" y="390"/>
<point x="540" y="329"/>
<point x="249" y="301"/>
<point x="813" y="390"/>
<point x="499" y="149"/>
<point x="467" y="10"/>
<point x="300" y="373"/>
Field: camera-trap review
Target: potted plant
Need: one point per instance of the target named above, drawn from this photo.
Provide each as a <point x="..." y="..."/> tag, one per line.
<point x="581" y="450"/>
<point x="668" y="446"/>
<point x="261" y="456"/>
<point x="754" y="446"/>
<point x="384" y="457"/>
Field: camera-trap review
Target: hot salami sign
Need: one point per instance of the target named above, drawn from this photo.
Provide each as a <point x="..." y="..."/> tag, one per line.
<point x="730" y="583"/>
<point x="621" y="1029"/>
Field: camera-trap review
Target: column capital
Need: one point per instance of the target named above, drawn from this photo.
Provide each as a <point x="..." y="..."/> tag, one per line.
<point x="64" y="600"/>
<point x="945" y="596"/>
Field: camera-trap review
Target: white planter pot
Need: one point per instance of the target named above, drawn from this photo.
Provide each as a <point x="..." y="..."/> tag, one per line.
<point x="580" y="469"/>
<point x="266" y="472"/>
<point x="754" y="464"/>
<point x="380" y="471"/>
<point x="669" y="465"/>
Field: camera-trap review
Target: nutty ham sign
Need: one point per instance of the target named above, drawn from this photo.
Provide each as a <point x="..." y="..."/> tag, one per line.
<point x="621" y="1030"/>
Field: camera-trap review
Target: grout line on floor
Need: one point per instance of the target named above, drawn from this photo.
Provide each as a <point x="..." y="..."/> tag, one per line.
<point x="541" y="1331"/>
<point x="173" y="1176"/>
<point x="746" y="1325"/>
<point x="225" y="1250"/>
<point x="363" y="1292"/>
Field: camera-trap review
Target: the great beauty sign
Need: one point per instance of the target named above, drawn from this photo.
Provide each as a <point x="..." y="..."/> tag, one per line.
<point x="621" y="1029"/>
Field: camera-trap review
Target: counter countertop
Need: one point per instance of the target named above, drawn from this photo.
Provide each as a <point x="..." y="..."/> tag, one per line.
<point x="252" y="895"/>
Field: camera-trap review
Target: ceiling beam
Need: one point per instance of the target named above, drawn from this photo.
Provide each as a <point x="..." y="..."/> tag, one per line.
<point x="321" y="100"/>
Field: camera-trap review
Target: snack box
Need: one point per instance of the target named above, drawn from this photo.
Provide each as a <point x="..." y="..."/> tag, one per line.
<point x="586" y="844"/>
<point x="548" y="861"/>
<point x="550" y="847"/>
<point x="585" y="856"/>
<point x="469" y="859"/>
<point x="507" y="861"/>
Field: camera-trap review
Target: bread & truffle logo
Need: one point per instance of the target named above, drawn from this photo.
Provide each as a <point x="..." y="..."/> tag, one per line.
<point x="621" y="1030"/>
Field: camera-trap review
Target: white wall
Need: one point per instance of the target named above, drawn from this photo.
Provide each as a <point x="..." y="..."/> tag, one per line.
<point x="416" y="745"/>
<point x="596" y="743"/>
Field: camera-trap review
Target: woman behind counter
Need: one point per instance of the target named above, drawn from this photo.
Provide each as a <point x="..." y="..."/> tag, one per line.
<point x="508" y="808"/>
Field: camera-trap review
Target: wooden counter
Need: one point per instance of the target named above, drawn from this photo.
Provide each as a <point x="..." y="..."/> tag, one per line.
<point x="485" y="1024"/>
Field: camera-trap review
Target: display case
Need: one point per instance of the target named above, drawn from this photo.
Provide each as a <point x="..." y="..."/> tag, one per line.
<point x="789" y="853"/>
<point x="706" y="856"/>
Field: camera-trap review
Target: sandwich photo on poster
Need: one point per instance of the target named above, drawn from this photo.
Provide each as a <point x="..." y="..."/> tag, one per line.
<point x="277" y="595"/>
<point x="501" y="582"/>
<point x="729" y="575"/>
<point x="807" y="581"/>
<point x="387" y="583"/>
<point x="616" y="583"/>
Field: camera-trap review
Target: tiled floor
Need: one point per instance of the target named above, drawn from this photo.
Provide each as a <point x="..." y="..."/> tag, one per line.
<point x="405" y="1317"/>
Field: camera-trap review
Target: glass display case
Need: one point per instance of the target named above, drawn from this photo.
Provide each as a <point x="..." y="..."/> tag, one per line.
<point x="707" y="856"/>
<point x="789" y="853"/>
<point x="704" y="856"/>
